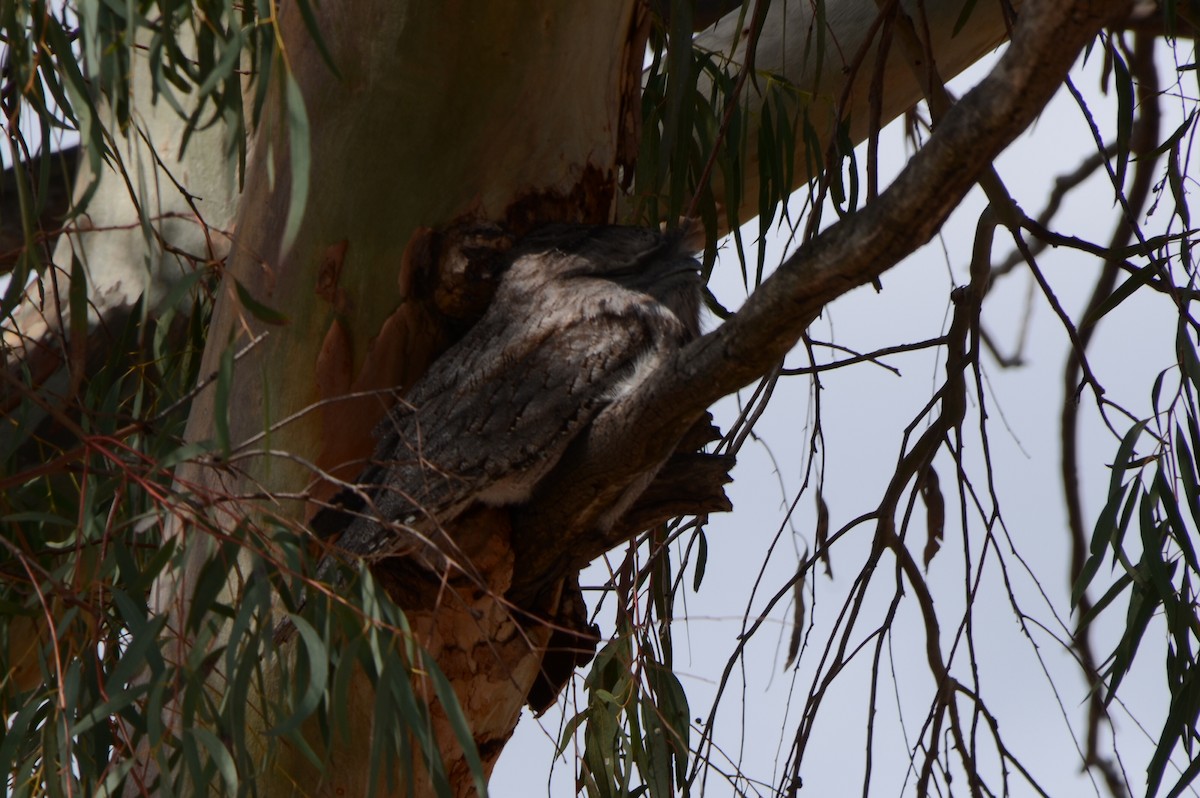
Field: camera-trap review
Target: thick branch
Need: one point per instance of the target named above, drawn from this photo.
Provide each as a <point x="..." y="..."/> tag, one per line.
<point x="643" y="427"/>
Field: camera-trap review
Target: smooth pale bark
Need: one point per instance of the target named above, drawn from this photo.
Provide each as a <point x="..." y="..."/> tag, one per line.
<point x="187" y="198"/>
<point x="832" y="69"/>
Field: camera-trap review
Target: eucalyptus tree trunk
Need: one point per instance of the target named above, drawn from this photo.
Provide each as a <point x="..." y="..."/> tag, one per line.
<point x="439" y="116"/>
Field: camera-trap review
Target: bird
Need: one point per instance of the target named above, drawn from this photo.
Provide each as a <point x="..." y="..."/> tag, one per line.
<point x="582" y="314"/>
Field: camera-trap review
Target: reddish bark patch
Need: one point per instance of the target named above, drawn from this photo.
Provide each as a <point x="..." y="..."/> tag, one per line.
<point x="590" y="201"/>
<point x="329" y="275"/>
<point x="407" y="342"/>
<point x="331" y="379"/>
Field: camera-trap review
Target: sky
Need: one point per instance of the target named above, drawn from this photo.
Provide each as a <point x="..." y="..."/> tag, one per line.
<point x="1030" y="683"/>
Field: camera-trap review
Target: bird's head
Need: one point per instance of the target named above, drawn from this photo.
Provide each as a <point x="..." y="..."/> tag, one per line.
<point x="657" y="264"/>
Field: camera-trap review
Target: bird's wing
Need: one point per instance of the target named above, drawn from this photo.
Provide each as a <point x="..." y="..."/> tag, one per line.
<point x="491" y="418"/>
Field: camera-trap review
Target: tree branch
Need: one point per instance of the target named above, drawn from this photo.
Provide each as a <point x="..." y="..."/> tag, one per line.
<point x="645" y="426"/>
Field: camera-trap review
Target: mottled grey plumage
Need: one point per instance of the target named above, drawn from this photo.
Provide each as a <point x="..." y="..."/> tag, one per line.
<point x="581" y="315"/>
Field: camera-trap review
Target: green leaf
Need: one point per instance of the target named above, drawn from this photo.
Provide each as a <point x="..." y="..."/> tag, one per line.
<point x="318" y="38"/>
<point x="599" y="754"/>
<point x="1172" y="141"/>
<point x="300" y="150"/>
<point x="183" y="286"/>
<point x="1122" y="292"/>
<point x="1188" y="477"/>
<point x="1177" y="529"/>
<point x="1181" y="721"/>
<point x="219" y="755"/>
<point x="1125" y="453"/>
<point x="257" y="309"/>
<point x="77" y="87"/>
<point x="197" y="771"/>
<point x="210" y="584"/>
<point x="17" y="280"/>
<point x="37" y="517"/>
<point x="1141" y="610"/>
<point x="677" y="115"/>
<point x="78" y="302"/>
<point x="221" y="401"/>
<point x="458" y="722"/>
<point x="1186" y="351"/>
<point x="187" y="452"/>
<point x="316" y="660"/>
<point x="137" y="578"/>
<point x="701" y="559"/>
<point x="963" y="16"/>
<point x="114" y="776"/>
<point x="143" y="648"/>
<point x="1103" y="535"/>
<point x="657" y="768"/>
<point x="223" y="69"/>
<point x="846" y="154"/>
<point x="1152" y="551"/>
<point x="339" y="694"/>
<point x="250" y="606"/>
<point x="568" y="732"/>
<point x="382" y="710"/>
<point x="15" y="730"/>
<point x="672" y="703"/>
<point x="1117" y="588"/>
<point x="416" y="721"/>
<point x="1126" y="102"/>
<point x="1188" y="775"/>
<point x="118" y="699"/>
<point x="1175" y="179"/>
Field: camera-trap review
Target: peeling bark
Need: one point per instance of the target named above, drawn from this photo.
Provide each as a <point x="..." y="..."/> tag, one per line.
<point x="187" y="199"/>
